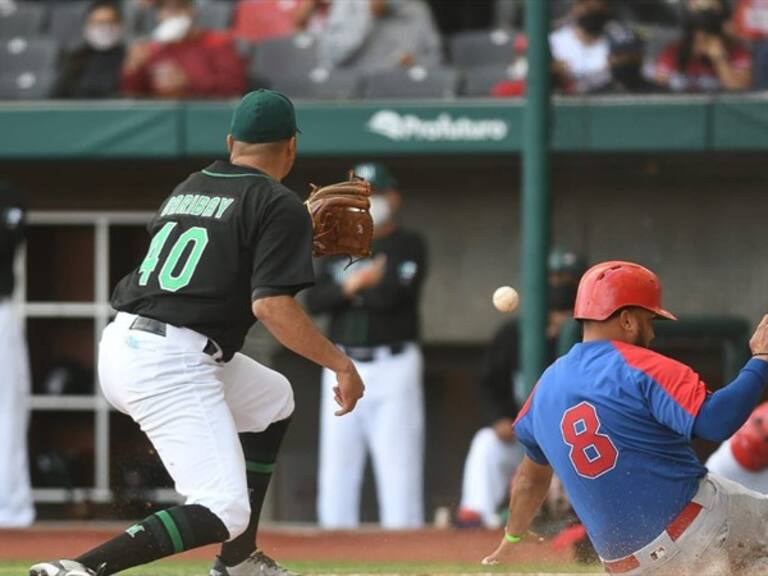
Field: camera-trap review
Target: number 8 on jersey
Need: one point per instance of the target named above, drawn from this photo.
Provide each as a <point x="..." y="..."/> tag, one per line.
<point x="592" y="454"/>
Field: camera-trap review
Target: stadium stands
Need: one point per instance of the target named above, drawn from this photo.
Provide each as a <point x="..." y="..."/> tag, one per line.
<point x="415" y="82"/>
<point x="33" y="32"/>
<point x="22" y="19"/>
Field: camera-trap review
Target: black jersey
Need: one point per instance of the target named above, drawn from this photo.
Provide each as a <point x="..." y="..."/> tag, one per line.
<point x="226" y="236"/>
<point x="11" y="233"/>
<point x="387" y="313"/>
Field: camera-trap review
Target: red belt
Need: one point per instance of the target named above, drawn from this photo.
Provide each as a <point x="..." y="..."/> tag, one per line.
<point x="675" y="530"/>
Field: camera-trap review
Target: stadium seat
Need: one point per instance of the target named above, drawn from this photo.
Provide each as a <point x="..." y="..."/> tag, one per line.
<point x="416" y="82"/>
<point x="480" y="80"/>
<point x="26" y="85"/>
<point x="480" y="47"/>
<point x="296" y="55"/>
<point x="66" y="22"/>
<point x="760" y="66"/>
<point x="656" y="39"/>
<point x="138" y="19"/>
<point x="215" y="15"/>
<point x="320" y="84"/>
<point x="36" y="55"/>
<point x="21" y="19"/>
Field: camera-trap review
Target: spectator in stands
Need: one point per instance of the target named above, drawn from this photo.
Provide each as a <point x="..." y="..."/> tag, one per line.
<point x="380" y="34"/>
<point x="580" y="48"/>
<point x="92" y="70"/>
<point x="750" y="20"/>
<point x="706" y="59"/>
<point x="257" y="20"/>
<point x="625" y="60"/>
<point x="183" y="60"/>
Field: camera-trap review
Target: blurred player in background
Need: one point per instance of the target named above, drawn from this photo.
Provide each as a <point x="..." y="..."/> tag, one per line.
<point x="374" y="309"/>
<point x="743" y="458"/>
<point x="16" y="507"/>
<point x="494" y="453"/>
<point x="615" y="421"/>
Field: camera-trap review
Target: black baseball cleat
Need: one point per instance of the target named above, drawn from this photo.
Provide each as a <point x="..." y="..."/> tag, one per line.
<point x="62" y="568"/>
<point x="257" y="564"/>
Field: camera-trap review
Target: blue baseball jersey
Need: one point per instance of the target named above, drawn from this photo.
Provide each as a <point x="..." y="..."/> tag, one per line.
<point x="615" y="422"/>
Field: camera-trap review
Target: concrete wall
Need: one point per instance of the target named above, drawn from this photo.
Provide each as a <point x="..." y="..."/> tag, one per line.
<point x="698" y="220"/>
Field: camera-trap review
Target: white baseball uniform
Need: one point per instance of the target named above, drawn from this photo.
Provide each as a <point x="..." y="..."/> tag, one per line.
<point x="16" y="507"/>
<point x="488" y="470"/>
<point x="723" y="463"/>
<point x="390" y="425"/>
<point x="728" y="536"/>
<point x="192" y="408"/>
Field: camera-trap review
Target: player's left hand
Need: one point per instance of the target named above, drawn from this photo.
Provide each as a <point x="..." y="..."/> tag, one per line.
<point x="349" y="390"/>
<point x="504" y="553"/>
<point x="506" y="550"/>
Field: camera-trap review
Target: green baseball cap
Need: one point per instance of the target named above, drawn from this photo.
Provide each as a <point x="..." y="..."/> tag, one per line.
<point x="567" y="261"/>
<point x="263" y="116"/>
<point x="377" y="174"/>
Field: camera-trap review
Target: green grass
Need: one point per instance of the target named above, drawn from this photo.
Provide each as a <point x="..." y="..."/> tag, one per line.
<point x="186" y="568"/>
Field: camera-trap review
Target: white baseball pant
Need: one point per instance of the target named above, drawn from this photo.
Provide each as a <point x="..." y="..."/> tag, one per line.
<point x="16" y="508"/>
<point x="729" y="536"/>
<point x="388" y="422"/>
<point x="488" y="470"/>
<point x="192" y="409"/>
<point x="723" y="463"/>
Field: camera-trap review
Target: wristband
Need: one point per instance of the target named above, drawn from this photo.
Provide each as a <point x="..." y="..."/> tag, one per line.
<point x="512" y="539"/>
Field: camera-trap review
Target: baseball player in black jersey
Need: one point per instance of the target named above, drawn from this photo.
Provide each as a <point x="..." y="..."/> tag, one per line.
<point x="16" y="507"/>
<point x="229" y="246"/>
<point x="374" y="310"/>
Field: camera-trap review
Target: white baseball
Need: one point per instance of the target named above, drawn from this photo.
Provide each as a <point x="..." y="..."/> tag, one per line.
<point x="506" y="299"/>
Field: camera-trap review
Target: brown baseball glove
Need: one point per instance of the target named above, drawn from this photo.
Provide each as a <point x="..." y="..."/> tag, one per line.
<point x="341" y="222"/>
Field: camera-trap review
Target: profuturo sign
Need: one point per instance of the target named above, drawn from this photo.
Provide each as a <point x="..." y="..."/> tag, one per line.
<point x="445" y="127"/>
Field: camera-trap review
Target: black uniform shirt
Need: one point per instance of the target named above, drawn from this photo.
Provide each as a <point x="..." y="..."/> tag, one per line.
<point x="387" y="313"/>
<point x="226" y="236"/>
<point x="500" y="386"/>
<point x="11" y="233"/>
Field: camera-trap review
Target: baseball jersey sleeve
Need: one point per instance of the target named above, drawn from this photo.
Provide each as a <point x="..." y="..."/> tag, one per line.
<point x="674" y="393"/>
<point x="525" y="435"/>
<point x="282" y="259"/>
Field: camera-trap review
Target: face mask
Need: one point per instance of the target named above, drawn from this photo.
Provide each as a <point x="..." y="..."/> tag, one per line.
<point x="172" y="29"/>
<point x="562" y="297"/>
<point x="102" y="36"/>
<point x="710" y="21"/>
<point x="381" y="211"/>
<point x="593" y="23"/>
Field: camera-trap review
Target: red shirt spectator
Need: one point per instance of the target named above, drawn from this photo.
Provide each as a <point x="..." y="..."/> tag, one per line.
<point x="257" y="20"/>
<point x="183" y="61"/>
<point x="205" y="64"/>
<point x="700" y="73"/>
<point x="750" y="19"/>
<point x="707" y="58"/>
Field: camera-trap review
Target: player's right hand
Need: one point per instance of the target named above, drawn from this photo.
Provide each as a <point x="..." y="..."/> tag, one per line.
<point x="759" y="342"/>
<point x="349" y="390"/>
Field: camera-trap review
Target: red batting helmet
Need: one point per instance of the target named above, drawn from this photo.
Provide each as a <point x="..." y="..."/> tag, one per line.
<point x="610" y="286"/>
<point x="749" y="445"/>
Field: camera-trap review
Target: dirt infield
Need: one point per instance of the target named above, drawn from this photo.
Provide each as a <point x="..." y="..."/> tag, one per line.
<point x="298" y="545"/>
